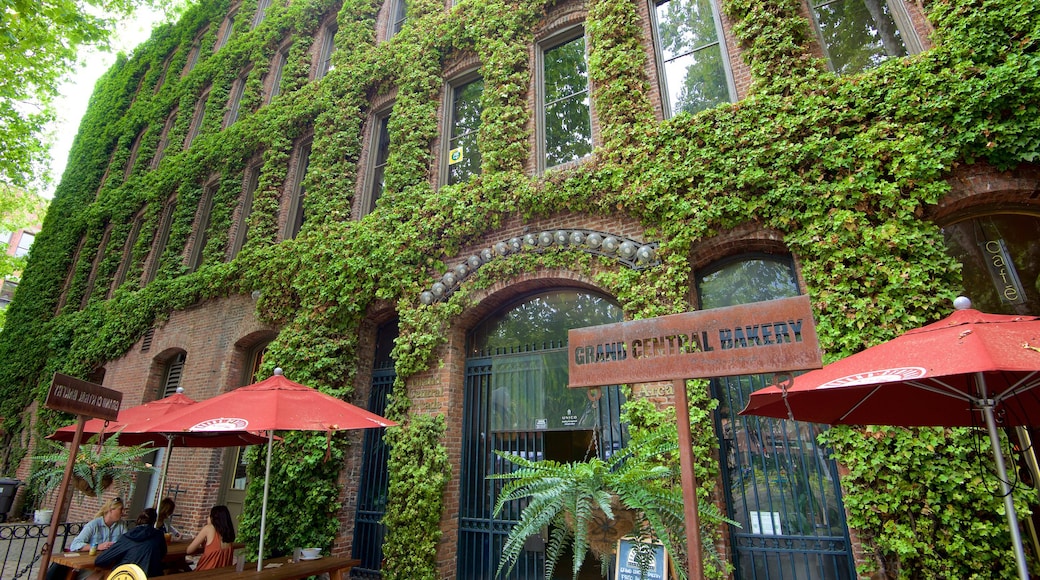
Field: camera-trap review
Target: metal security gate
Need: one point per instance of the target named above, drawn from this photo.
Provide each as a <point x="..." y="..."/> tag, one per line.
<point x="372" y="492"/>
<point x="481" y="534"/>
<point x="517" y="401"/>
<point x="783" y="489"/>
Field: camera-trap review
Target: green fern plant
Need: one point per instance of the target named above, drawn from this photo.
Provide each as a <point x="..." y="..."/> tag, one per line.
<point x="589" y="505"/>
<point x="97" y="467"/>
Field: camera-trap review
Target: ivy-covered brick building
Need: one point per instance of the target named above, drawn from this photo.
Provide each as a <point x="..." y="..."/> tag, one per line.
<point x="408" y="203"/>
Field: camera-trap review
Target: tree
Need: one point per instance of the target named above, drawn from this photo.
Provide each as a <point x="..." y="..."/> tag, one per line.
<point x="39" y="44"/>
<point x="18" y="209"/>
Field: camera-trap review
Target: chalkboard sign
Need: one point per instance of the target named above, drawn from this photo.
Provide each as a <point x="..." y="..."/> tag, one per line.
<point x="628" y="553"/>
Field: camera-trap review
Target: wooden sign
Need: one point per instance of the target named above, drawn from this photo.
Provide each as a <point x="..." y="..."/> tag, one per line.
<point x="79" y="397"/>
<point x="762" y="337"/>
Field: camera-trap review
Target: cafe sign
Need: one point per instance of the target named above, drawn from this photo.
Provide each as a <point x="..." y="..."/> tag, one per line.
<point x="762" y="337"/>
<point x="79" y="397"/>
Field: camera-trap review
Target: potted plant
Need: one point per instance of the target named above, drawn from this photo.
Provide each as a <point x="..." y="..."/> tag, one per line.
<point x="97" y="467"/>
<point x="590" y="505"/>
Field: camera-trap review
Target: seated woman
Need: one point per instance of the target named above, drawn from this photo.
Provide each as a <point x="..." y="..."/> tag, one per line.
<point x="144" y="545"/>
<point x="216" y="539"/>
<point x="163" y="523"/>
<point x="100" y="532"/>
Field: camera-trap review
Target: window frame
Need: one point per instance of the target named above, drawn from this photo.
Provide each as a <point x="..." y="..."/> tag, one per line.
<point x="323" y="62"/>
<point x="95" y="264"/>
<point x="128" y="251"/>
<point x="281" y="59"/>
<point x="201" y="226"/>
<point x="135" y="148"/>
<point x="164" y="139"/>
<point x="900" y="17"/>
<point x="662" y="72"/>
<point x="238" y="89"/>
<point x="369" y="196"/>
<point x="196" y="118"/>
<point x="193" y="54"/>
<point x="450" y="93"/>
<point x="296" y="192"/>
<point x="549" y="43"/>
<point x="393" y="24"/>
<point x="226" y="28"/>
<point x="260" y="13"/>
<point x="251" y="181"/>
<point x="160" y="240"/>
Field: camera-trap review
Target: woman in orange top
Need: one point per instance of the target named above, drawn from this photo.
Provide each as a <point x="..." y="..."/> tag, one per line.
<point x="215" y="539"/>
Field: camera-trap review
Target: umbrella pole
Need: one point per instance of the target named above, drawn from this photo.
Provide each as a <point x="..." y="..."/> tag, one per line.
<point x="1005" y="487"/>
<point x="263" y="510"/>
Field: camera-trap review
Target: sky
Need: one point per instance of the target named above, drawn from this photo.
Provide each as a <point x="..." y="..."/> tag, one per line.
<point x="75" y="92"/>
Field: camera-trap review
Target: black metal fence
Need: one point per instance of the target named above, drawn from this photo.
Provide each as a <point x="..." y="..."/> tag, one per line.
<point x="21" y="545"/>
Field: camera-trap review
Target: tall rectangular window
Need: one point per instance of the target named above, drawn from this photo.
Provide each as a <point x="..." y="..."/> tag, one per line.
<point x="162" y="236"/>
<point x="294" y="219"/>
<point x="193" y="55"/>
<point x="95" y="265"/>
<point x="328" y="46"/>
<point x="225" y="32"/>
<point x="398" y="16"/>
<point x="261" y="10"/>
<point x="245" y="208"/>
<point x="380" y="154"/>
<point x="202" y="225"/>
<point x="128" y="252"/>
<point x="277" y="68"/>
<point x="162" y="74"/>
<point x="566" y="115"/>
<point x="164" y="139"/>
<point x="463" y="159"/>
<point x="860" y="34"/>
<point x="174" y="371"/>
<point x="25" y="241"/>
<point x="196" y="118"/>
<point x="134" y="148"/>
<point x="694" y="72"/>
<point x="235" y="101"/>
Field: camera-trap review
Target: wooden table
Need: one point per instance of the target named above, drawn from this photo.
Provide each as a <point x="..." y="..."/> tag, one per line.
<point x="175" y="552"/>
<point x="278" y="569"/>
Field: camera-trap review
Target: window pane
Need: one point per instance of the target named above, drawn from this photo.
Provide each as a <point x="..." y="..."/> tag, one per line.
<point x="379" y="167"/>
<point x="858" y="34"/>
<point x="568" y="125"/>
<point x="464" y="154"/>
<point x="694" y="68"/>
<point x="400" y="15"/>
<point x="747" y="281"/>
<point x="1000" y="262"/>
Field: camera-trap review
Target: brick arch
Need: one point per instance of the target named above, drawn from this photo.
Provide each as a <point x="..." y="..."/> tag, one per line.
<point x="745" y="239"/>
<point x="157" y="372"/>
<point x="982" y="188"/>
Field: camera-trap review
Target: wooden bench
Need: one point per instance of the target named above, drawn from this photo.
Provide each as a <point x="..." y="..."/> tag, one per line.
<point x="338" y="568"/>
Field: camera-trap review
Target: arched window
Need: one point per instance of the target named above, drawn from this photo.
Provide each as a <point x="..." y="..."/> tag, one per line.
<point x="517" y="401"/>
<point x="779" y="484"/>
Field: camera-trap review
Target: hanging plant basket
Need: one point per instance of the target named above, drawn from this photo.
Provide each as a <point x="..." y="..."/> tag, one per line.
<point x="604" y="532"/>
<point x="85" y="488"/>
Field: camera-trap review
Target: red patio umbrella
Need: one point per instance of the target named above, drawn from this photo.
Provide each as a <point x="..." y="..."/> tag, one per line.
<point x="273" y="404"/>
<point x="134" y="426"/>
<point x="963" y="371"/>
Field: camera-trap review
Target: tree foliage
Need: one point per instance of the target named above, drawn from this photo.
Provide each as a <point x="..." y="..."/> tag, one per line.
<point x="840" y="169"/>
<point x="40" y="41"/>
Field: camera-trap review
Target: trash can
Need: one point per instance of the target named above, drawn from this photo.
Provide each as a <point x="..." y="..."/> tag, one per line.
<point x="8" y="487"/>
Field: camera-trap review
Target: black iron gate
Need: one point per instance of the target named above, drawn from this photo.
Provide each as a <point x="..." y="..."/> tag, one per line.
<point x="481" y="533"/>
<point x="369" y="530"/>
<point x="784" y="491"/>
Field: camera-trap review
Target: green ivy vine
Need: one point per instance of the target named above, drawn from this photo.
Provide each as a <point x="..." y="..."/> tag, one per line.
<point x="843" y="168"/>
